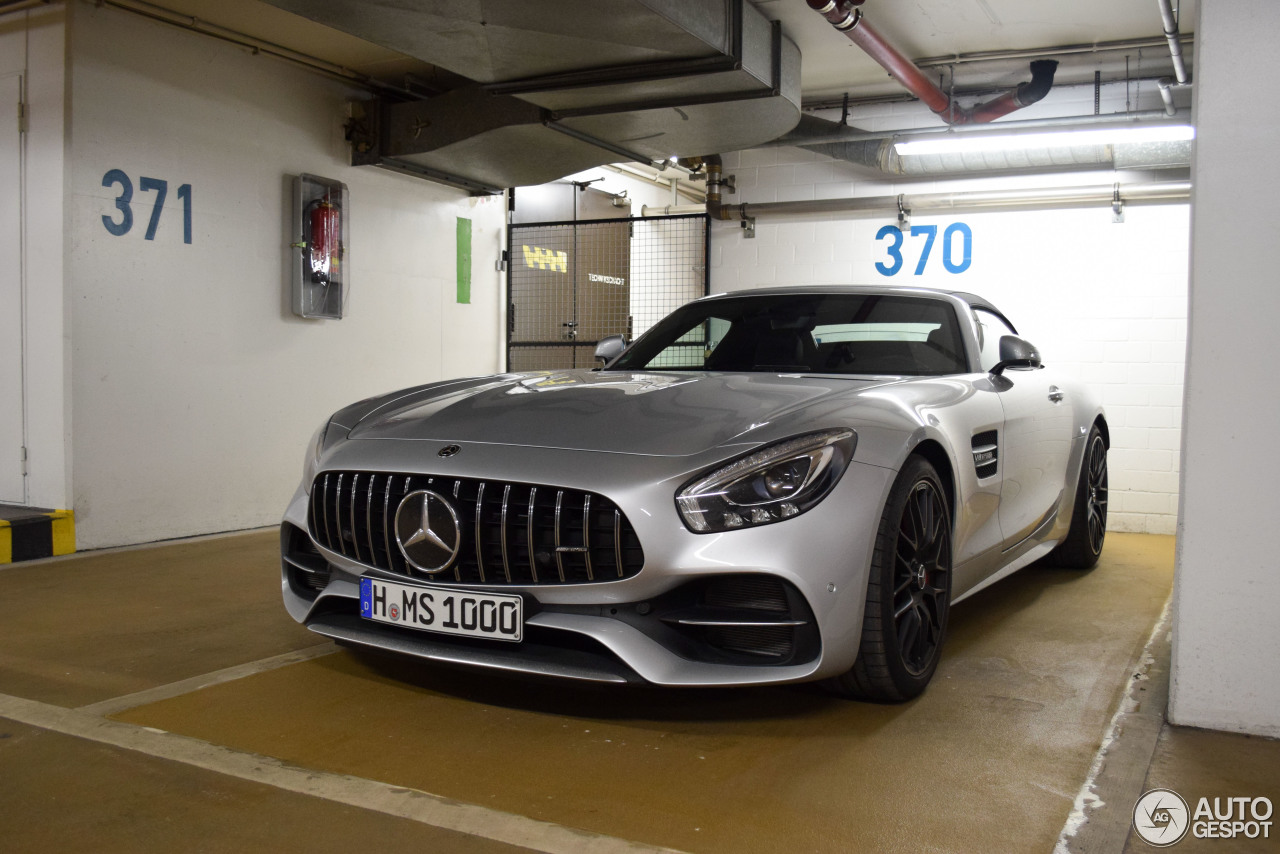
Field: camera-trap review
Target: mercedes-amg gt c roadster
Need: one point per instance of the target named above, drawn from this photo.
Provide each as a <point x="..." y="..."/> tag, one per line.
<point x="768" y="486"/>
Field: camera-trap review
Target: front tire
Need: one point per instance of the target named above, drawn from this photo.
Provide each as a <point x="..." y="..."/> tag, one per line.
<point x="1082" y="546"/>
<point x="908" y="592"/>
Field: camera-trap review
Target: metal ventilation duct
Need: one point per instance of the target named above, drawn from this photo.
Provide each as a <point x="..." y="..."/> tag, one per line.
<point x="565" y="85"/>
<point x="876" y="152"/>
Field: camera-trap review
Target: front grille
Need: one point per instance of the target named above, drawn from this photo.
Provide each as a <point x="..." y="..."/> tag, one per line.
<point x="511" y="533"/>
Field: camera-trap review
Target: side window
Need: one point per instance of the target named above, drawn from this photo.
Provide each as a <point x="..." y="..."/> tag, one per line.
<point x="687" y="352"/>
<point x="990" y="328"/>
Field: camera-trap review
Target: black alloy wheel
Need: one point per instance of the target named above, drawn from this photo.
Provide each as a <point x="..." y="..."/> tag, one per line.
<point x="1082" y="546"/>
<point x="1096" y="492"/>
<point x="908" y="592"/>
<point x="921" y="592"/>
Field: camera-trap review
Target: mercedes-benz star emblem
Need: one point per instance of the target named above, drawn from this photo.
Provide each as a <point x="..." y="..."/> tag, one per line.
<point x="427" y="531"/>
<point x="448" y="451"/>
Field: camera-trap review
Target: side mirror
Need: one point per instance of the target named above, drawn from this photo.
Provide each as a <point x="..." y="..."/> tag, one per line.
<point x="1016" y="353"/>
<point x="610" y="348"/>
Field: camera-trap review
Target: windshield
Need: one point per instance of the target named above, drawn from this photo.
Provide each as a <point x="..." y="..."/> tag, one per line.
<point x="810" y="333"/>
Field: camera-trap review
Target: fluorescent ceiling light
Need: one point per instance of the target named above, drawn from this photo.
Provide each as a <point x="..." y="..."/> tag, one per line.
<point x="964" y="143"/>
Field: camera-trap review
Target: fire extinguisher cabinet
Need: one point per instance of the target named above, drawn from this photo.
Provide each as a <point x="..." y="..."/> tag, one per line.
<point x="320" y="260"/>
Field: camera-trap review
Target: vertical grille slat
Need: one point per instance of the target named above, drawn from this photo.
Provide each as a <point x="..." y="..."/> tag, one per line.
<point x="388" y="521"/>
<point x="529" y="527"/>
<point x="480" y="531"/>
<point x="337" y="504"/>
<point x="324" y="495"/>
<point x="355" y="500"/>
<point x="368" y="520"/>
<point x="506" y="559"/>
<point x="559" y="554"/>
<point x="586" y="536"/>
<point x="617" y="540"/>
<point x="457" y="498"/>
<point x="540" y="534"/>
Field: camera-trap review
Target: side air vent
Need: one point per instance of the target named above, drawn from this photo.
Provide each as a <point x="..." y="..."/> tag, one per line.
<point x="986" y="454"/>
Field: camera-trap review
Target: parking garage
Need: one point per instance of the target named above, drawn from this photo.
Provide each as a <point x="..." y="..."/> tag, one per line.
<point x="224" y="223"/>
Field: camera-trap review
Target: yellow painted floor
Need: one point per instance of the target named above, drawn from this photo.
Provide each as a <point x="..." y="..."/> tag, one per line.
<point x="990" y="759"/>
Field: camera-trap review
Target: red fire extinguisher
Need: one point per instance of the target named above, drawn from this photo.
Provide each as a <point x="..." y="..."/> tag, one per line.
<point x="326" y="240"/>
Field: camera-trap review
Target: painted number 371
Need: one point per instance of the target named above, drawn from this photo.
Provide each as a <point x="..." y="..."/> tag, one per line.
<point x="957" y="248"/>
<point x="124" y="204"/>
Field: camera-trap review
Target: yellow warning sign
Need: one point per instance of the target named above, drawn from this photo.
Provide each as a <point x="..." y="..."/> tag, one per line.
<point x="546" y="259"/>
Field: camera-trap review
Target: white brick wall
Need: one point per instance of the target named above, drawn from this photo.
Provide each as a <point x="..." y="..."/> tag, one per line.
<point x="1107" y="301"/>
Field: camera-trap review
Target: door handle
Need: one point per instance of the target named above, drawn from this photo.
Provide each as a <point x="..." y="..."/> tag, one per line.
<point x="1055" y="394"/>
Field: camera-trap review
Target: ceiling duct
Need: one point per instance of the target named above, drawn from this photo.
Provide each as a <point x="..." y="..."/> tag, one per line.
<point x="565" y="85"/>
<point x="875" y="151"/>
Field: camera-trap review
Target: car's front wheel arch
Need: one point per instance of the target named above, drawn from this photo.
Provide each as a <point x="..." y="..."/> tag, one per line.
<point x="936" y="455"/>
<point x="1101" y="423"/>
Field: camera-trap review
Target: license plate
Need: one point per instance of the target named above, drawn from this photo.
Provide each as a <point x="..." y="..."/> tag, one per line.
<point x="440" y="609"/>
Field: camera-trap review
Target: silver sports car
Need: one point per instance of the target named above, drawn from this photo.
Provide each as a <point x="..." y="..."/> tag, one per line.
<point x="768" y="486"/>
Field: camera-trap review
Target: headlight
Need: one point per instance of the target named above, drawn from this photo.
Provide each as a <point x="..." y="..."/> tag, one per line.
<point x="312" y="462"/>
<point x="769" y="485"/>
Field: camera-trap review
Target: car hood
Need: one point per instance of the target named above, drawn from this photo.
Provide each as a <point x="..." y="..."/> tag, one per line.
<point x="677" y="414"/>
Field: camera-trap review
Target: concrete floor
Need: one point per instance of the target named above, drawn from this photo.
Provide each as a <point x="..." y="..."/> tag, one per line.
<point x="160" y="699"/>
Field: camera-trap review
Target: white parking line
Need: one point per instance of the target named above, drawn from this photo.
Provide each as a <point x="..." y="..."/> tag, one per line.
<point x="116" y="705"/>
<point x="367" y="794"/>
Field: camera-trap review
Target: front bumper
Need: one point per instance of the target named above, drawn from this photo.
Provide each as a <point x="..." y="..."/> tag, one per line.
<point x="657" y="627"/>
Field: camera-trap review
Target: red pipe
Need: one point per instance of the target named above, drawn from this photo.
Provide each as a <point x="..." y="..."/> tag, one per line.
<point x="1023" y="95"/>
<point x="847" y="18"/>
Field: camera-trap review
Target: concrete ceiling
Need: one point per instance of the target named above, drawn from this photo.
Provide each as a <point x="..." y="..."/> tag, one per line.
<point x="629" y="80"/>
<point x="831" y="65"/>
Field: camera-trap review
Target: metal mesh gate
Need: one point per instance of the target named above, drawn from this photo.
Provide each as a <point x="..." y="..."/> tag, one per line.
<point x="571" y="284"/>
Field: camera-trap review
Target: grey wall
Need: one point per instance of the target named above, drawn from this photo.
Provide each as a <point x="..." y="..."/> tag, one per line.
<point x="1227" y="585"/>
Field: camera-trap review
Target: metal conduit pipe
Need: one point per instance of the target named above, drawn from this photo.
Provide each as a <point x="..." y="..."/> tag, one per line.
<point x="1167" y="85"/>
<point x="689" y="193"/>
<point x="672" y="210"/>
<point x="1097" y="194"/>
<point x="1119" y="45"/>
<point x="715" y="182"/>
<point x="847" y="18"/>
<point x="1171" y="34"/>
<point x="1175" y="42"/>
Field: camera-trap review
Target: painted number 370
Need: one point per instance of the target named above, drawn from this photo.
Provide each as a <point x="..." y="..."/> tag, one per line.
<point x="957" y="248"/>
<point x="124" y="204"/>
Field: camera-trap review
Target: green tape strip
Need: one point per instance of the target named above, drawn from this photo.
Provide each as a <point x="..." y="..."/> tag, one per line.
<point x="464" y="261"/>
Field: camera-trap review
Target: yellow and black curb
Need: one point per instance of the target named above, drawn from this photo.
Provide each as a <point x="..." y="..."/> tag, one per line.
<point x="30" y="533"/>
